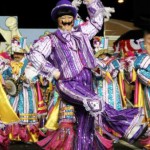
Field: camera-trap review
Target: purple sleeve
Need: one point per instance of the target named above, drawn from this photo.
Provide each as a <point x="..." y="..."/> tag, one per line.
<point x="39" y="53"/>
<point x="93" y="24"/>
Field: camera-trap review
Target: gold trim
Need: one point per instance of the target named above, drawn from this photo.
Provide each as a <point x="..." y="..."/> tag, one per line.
<point x="67" y="114"/>
<point x="41" y="102"/>
<point x="67" y="108"/>
<point x="28" y="119"/>
<point x="42" y="108"/>
<point x="28" y="114"/>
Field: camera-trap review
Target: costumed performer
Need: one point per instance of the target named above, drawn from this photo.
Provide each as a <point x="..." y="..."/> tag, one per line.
<point x="68" y="56"/>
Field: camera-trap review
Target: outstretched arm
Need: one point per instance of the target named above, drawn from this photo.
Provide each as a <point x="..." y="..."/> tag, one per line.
<point x="94" y="23"/>
<point x="39" y="53"/>
<point x="114" y="68"/>
<point x="144" y="76"/>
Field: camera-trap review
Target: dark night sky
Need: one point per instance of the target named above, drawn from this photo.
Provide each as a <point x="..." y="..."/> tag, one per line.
<point x="37" y="13"/>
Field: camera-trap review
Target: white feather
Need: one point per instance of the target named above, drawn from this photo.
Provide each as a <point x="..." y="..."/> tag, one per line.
<point x="76" y="3"/>
<point x="107" y="13"/>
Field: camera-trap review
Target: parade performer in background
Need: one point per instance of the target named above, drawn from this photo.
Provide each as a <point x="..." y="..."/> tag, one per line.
<point x="60" y="124"/>
<point x="109" y="77"/>
<point x="139" y="68"/>
<point x="12" y="24"/>
<point x="19" y="80"/>
<point x="7" y="114"/>
<point x="68" y="56"/>
<point x="60" y="121"/>
<point x="127" y="49"/>
<point x="106" y="81"/>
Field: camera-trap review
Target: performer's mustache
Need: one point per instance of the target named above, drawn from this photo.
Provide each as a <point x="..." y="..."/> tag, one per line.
<point x="67" y="23"/>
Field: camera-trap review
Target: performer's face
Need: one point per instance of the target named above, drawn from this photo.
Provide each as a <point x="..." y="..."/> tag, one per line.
<point x="147" y="42"/>
<point x="18" y="56"/>
<point x="147" y="39"/>
<point x="66" y="22"/>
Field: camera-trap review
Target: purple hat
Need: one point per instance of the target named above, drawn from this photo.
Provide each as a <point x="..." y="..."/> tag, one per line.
<point x="63" y="4"/>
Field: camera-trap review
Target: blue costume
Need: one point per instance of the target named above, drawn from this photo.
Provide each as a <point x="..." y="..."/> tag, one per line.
<point x="110" y="92"/>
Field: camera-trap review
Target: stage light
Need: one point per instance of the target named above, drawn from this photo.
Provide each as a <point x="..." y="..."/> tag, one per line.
<point x="120" y="1"/>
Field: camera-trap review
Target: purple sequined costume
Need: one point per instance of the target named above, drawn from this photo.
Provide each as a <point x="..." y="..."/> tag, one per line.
<point x="72" y="54"/>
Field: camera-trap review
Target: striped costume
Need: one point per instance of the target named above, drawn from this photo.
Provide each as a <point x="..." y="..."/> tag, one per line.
<point x="110" y="92"/>
<point x="71" y="53"/>
<point x="24" y="103"/>
<point x="139" y="73"/>
<point x="142" y="67"/>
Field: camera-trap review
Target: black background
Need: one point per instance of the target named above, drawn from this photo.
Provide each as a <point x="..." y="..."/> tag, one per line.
<point x="36" y="14"/>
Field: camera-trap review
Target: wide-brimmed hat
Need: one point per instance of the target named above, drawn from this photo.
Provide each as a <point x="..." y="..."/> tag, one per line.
<point x="61" y="5"/>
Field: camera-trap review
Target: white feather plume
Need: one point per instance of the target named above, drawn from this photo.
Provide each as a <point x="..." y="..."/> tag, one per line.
<point x="76" y="3"/>
<point x="107" y="13"/>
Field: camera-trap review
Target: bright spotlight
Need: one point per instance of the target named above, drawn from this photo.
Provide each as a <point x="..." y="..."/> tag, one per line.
<point x="120" y="1"/>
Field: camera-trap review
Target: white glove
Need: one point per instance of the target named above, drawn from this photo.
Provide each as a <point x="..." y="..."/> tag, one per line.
<point x="107" y="13"/>
<point x="30" y="72"/>
<point x="56" y="74"/>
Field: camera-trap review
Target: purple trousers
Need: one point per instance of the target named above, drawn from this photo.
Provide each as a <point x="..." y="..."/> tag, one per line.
<point x="74" y="91"/>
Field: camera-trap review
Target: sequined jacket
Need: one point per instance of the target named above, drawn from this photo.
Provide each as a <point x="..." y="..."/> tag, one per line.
<point x="68" y="52"/>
